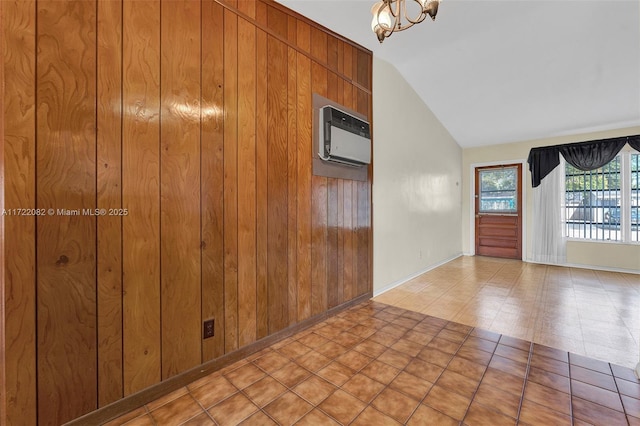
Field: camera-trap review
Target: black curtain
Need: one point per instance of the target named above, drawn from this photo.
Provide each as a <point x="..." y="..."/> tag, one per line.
<point x="582" y="155"/>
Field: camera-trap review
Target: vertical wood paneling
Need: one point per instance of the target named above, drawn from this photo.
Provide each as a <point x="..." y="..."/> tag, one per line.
<point x="109" y="169"/>
<point x="277" y="184"/>
<point x="262" y="212"/>
<point x="179" y="186"/>
<point x="319" y="206"/>
<point x="292" y="181"/>
<point x="198" y="122"/>
<point x="305" y="152"/>
<point x="66" y="179"/>
<point x="231" y="180"/>
<point x="246" y="183"/>
<point x="19" y="59"/>
<point x="141" y="194"/>
<point x="212" y="184"/>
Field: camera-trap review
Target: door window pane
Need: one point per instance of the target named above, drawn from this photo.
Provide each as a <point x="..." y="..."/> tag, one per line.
<point x="498" y="190"/>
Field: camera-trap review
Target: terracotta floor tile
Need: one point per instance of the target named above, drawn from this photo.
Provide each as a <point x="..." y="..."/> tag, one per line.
<point x="418" y="337"/>
<point x="550" y="364"/>
<point x="549" y="380"/>
<point x="313" y="340"/>
<point x="214" y="391"/>
<point x="142" y="411"/>
<point x="200" y="420"/>
<point x="508" y="366"/>
<point x="271" y="362"/>
<point x="425" y="415"/>
<point x="395" y="358"/>
<point x="411" y="385"/>
<point x="405" y="322"/>
<point x="144" y="420"/>
<point x="363" y="387"/>
<point x="460" y="328"/>
<point x="316" y="418"/>
<point x="629" y="388"/>
<point x="167" y="398"/>
<point x="548" y="352"/>
<point x="370" y="348"/>
<point x="288" y="409"/>
<point x="512" y="353"/>
<point x="479" y="415"/>
<point x="434" y="356"/>
<point x="336" y="373"/>
<point x="447" y="402"/>
<point x="596" y="414"/>
<point x="631" y="406"/>
<point x="536" y="414"/>
<point x="624" y="373"/>
<point x="550" y="398"/>
<point x="633" y="421"/>
<point x="476" y="355"/>
<point x="362" y="331"/>
<point x="395" y="404"/>
<point x="451" y="335"/>
<point x="486" y="335"/>
<point x="259" y="418"/>
<point x="424" y="370"/>
<point x="294" y="350"/>
<point x="232" y="410"/>
<point x="383" y="338"/>
<point x="505" y="381"/>
<point x="444" y="345"/>
<point x="291" y="374"/>
<point x="342" y="406"/>
<point x="348" y="340"/>
<point x="245" y="375"/>
<point x="331" y="350"/>
<point x="314" y="389"/>
<point x="329" y="331"/>
<point x="515" y="342"/>
<point x="354" y="360"/>
<point x="475" y="342"/>
<point x="498" y="400"/>
<point x="467" y="368"/>
<point x="591" y="364"/>
<point x="595" y="394"/>
<point x="407" y="347"/>
<point x="370" y="416"/>
<point x="592" y="377"/>
<point x="383" y="373"/>
<point x="264" y="391"/>
<point x="458" y="383"/>
<point x="313" y="361"/>
<point x="394" y="330"/>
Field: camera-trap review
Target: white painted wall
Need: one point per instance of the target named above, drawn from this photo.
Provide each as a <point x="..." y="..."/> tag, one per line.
<point x="604" y="255"/>
<point x="416" y="183"/>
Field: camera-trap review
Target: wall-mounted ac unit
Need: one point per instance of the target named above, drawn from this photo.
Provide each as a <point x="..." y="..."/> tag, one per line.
<point x="343" y="138"/>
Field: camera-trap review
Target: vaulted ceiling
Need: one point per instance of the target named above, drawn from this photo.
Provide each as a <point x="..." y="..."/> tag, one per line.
<point x="512" y="70"/>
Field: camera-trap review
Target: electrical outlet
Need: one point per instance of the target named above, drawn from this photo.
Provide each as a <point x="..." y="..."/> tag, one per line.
<point x="208" y="329"/>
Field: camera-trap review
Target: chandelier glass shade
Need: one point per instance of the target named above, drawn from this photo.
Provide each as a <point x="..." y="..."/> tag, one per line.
<point x="398" y="15"/>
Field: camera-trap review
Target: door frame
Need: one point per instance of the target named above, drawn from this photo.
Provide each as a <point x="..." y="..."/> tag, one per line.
<point x="472" y="202"/>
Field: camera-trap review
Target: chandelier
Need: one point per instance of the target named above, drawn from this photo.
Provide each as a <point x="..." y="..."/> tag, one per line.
<point x="393" y="15"/>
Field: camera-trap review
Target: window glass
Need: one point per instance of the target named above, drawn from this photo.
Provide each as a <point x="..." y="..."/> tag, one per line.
<point x="592" y="202"/>
<point x="635" y="197"/>
<point x="498" y="190"/>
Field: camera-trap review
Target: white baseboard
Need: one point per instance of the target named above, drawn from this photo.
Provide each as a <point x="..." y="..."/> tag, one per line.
<point x="412" y="276"/>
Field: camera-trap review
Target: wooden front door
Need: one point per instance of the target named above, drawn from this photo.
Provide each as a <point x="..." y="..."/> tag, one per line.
<point x="498" y="210"/>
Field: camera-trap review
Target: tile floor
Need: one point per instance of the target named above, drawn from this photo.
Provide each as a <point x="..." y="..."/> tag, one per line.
<point x="377" y="364"/>
<point x="587" y="312"/>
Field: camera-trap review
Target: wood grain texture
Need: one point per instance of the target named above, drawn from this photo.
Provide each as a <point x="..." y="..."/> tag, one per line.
<point x="292" y="180"/>
<point x="341" y="232"/>
<point x="247" y="261"/>
<point x="305" y="153"/>
<point x="19" y="59"/>
<point x="212" y="185"/>
<point x="277" y="22"/>
<point x="333" y="249"/>
<point x="277" y="184"/>
<point x="141" y="194"/>
<point x="109" y="182"/>
<point x="230" y="180"/>
<point x="262" y="212"/>
<point x="179" y="186"/>
<point x="363" y="231"/>
<point x="248" y="7"/>
<point x="66" y="180"/>
<point x="347" y="240"/>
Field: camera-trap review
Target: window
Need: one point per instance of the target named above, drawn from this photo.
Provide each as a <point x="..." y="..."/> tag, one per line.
<point x="603" y="204"/>
<point x="498" y="190"/>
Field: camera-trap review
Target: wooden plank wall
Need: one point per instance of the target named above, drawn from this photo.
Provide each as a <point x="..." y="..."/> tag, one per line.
<point x="190" y="123"/>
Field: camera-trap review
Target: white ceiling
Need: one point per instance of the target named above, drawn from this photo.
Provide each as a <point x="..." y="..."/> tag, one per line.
<point x="512" y="70"/>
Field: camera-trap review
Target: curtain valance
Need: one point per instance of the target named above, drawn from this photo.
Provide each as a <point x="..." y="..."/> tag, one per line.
<point x="582" y="155"/>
